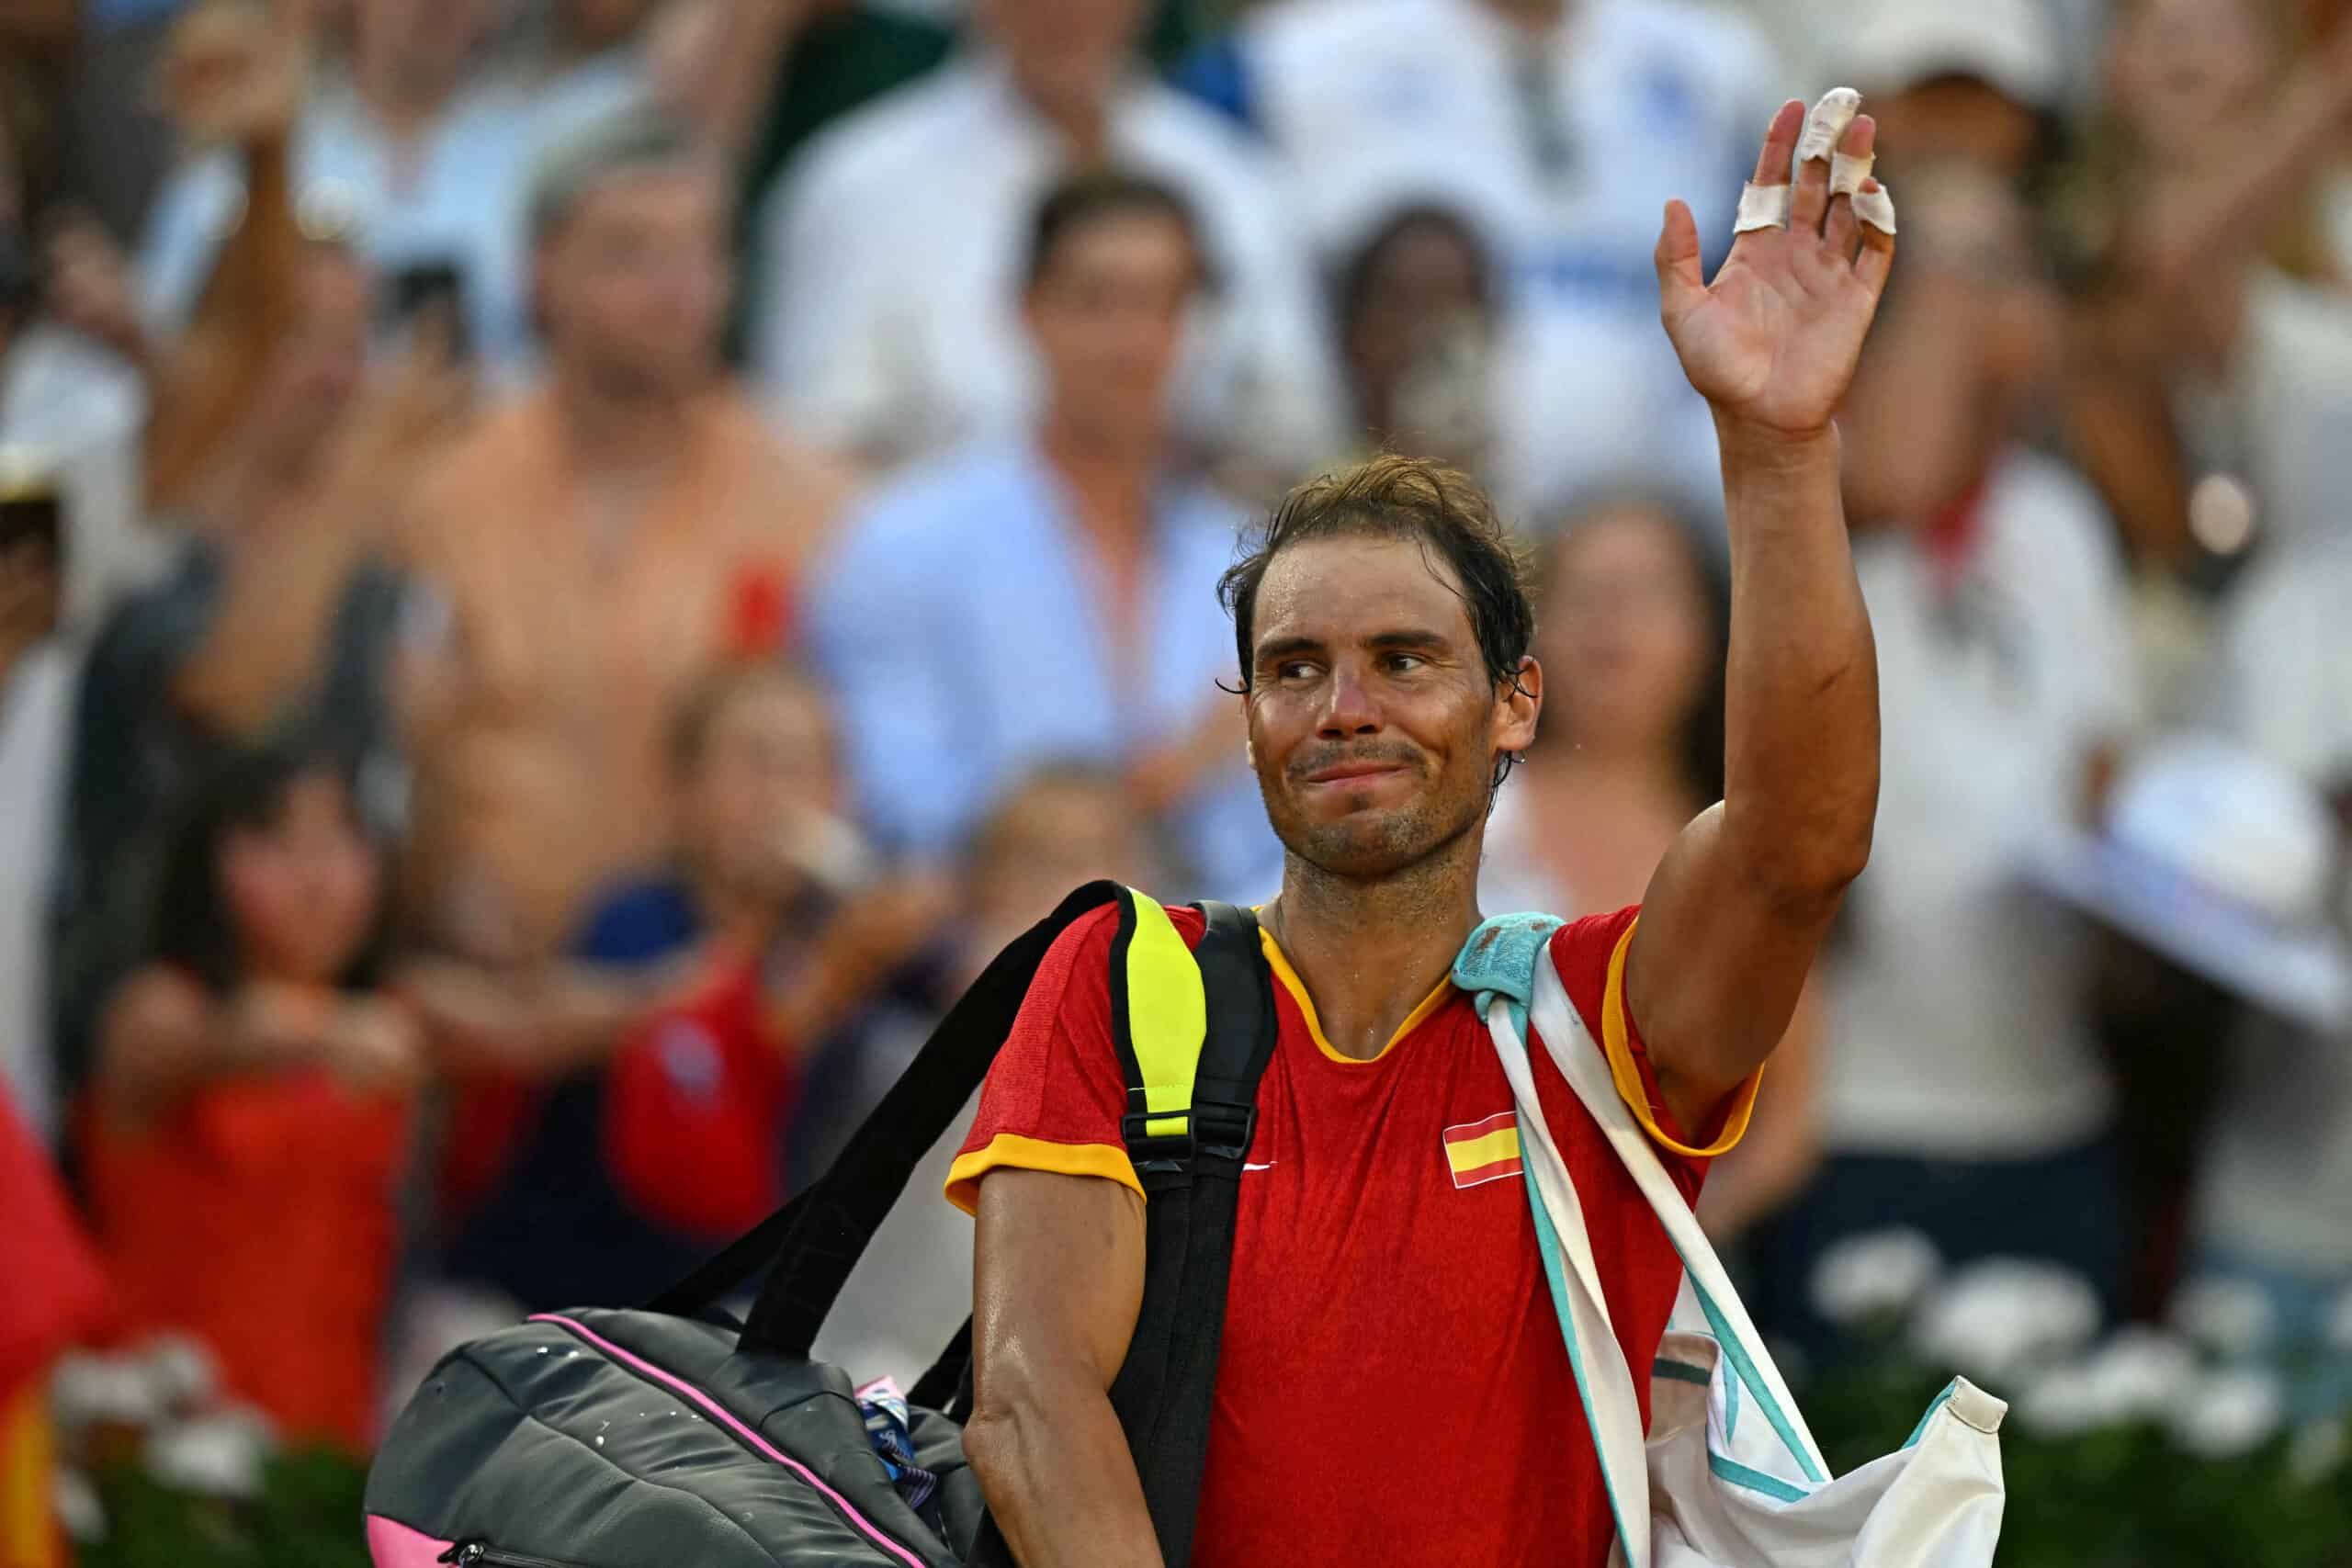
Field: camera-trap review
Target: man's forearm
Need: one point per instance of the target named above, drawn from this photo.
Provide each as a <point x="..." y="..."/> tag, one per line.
<point x="1800" y="743"/>
<point x="1059" y="1480"/>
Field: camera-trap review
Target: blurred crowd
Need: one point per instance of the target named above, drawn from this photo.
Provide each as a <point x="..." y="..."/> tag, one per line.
<point x="570" y="568"/>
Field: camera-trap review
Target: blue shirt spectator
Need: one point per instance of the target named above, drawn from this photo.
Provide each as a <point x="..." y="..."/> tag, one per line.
<point x="962" y="625"/>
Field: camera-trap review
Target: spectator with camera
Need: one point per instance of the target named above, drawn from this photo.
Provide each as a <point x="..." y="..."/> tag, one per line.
<point x="643" y="1148"/>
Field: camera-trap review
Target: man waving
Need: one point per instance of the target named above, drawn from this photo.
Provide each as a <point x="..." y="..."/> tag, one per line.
<point x="1392" y="1386"/>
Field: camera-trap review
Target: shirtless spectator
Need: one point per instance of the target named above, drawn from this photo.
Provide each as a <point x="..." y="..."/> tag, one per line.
<point x="592" y="547"/>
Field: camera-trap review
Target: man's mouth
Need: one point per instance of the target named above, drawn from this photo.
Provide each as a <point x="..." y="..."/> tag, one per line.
<point x="1344" y="772"/>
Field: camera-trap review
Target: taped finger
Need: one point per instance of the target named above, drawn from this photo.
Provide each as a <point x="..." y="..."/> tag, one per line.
<point x="1825" y="126"/>
<point x="1874" y="206"/>
<point x="1762" y="207"/>
<point x="1847" y="172"/>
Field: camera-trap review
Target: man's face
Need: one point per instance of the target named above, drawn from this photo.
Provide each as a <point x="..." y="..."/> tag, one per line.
<point x="1958" y="116"/>
<point x="634" y="286"/>
<point x="2180" y="72"/>
<point x="1426" y="280"/>
<point x="1108" y="316"/>
<point x="766" y="768"/>
<point x="1373" y="724"/>
<point x="1064" y="53"/>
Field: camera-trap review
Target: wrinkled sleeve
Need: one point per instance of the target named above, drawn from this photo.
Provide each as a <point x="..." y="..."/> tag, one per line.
<point x="1054" y="1096"/>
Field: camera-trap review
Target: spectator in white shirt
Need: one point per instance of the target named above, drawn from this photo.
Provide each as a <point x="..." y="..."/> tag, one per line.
<point x="890" y="324"/>
<point x="1963" y="1091"/>
<point x="1558" y="127"/>
<point x="418" y="151"/>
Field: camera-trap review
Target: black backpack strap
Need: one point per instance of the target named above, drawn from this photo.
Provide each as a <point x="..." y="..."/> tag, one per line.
<point x="816" y="1239"/>
<point x="1165" y="1389"/>
<point x="1188" y="1153"/>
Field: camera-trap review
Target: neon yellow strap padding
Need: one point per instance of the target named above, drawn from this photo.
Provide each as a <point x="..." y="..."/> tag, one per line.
<point x="1168" y="1016"/>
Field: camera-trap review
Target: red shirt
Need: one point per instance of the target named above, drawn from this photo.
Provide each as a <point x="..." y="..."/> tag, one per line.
<point x="262" y="1215"/>
<point x="1392" y="1385"/>
<point x="696" y="1102"/>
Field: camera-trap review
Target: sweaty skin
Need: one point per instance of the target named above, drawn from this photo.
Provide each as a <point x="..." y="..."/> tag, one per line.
<point x="1374" y="726"/>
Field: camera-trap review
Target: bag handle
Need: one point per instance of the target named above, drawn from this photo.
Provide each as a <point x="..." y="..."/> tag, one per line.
<point x="816" y="1239"/>
<point x="1612" y="1409"/>
<point x="1581" y="1061"/>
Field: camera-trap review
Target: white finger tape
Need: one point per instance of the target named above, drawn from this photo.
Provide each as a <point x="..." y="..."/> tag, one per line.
<point x="1847" y="173"/>
<point x="1762" y="207"/>
<point x="1825" y="126"/>
<point x="1876" y="208"/>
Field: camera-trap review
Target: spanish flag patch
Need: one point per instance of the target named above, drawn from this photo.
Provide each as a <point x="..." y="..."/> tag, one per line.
<point x="1483" y="1151"/>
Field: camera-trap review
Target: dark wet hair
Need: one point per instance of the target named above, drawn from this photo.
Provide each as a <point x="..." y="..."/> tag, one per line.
<point x="1396" y="497"/>
<point x="1098" y="196"/>
<point x="194" y="931"/>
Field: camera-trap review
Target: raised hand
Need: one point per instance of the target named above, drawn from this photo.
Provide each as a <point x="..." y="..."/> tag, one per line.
<point x="236" y="71"/>
<point x="1773" y="340"/>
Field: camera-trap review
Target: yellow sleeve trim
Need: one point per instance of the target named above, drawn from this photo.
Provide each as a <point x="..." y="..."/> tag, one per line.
<point x="1628" y="1074"/>
<point x="1011" y="1149"/>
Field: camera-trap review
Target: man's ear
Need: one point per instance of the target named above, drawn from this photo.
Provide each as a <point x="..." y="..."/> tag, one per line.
<point x="1521" y="701"/>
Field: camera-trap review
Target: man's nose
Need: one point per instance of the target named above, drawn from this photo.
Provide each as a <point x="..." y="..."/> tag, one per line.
<point x="1350" y="708"/>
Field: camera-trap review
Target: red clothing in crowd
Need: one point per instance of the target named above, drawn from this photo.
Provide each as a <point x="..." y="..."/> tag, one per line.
<point x="261" y="1216"/>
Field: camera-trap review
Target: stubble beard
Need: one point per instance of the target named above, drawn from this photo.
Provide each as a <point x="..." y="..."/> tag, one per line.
<point x="1393" y="845"/>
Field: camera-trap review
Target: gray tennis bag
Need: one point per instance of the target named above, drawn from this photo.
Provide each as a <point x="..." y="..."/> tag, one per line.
<point x="674" y="1436"/>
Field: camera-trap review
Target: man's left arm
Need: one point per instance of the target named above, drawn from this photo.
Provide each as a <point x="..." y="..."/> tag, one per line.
<point x="1740" y="903"/>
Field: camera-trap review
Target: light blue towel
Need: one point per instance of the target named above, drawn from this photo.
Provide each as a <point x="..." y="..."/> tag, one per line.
<point x="1500" y="959"/>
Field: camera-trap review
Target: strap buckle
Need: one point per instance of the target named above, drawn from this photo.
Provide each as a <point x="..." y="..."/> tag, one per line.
<point x="1224" y="1129"/>
<point x="1157" y="1154"/>
<point x="1212" y="1129"/>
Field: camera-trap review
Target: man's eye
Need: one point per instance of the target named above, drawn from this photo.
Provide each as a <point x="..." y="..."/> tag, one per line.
<point x="1294" y="670"/>
<point x="1405" y="663"/>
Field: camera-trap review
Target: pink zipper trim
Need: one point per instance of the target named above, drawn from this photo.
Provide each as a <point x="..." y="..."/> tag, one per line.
<point x="392" y="1544"/>
<point x="719" y="1413"/>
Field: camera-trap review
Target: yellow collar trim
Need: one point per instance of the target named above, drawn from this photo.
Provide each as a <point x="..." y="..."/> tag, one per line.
<point x="1277" y="961"/>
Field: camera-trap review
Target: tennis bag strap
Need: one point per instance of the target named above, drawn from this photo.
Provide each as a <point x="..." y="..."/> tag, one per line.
<point x="808" y="1247"/>
<point x="1192" y="1109"/>
<point x="1194" y="1030"/>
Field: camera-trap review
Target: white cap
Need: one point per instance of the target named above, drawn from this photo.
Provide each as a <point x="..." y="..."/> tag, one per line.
<point x="2225" y="863"/>
<point x="2010" y="45"/>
